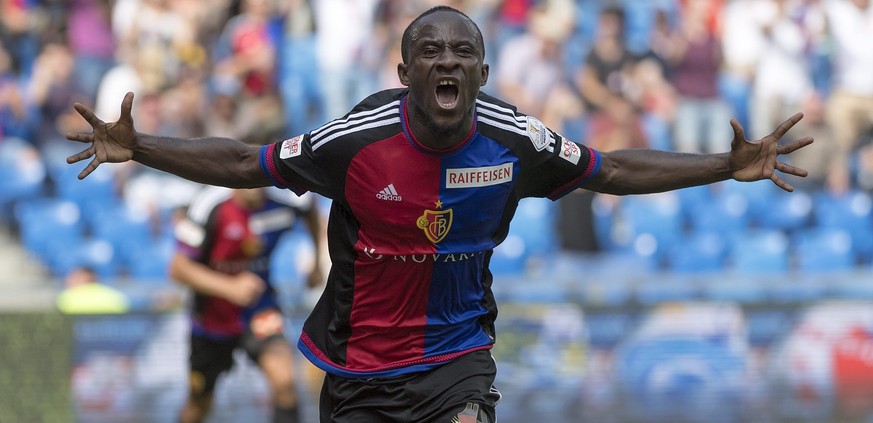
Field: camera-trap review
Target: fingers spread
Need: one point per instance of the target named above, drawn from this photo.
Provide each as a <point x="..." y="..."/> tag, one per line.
<point x="82" y="155"/>
<point x="791" y="170"/>
<point x="785" y="126"/>
<point x="794" y="145"/>
<point x="781" y="183"/>
<point x="88" y="169"/>
<point x="86" y="113"/>
<point x="80" y="136"/>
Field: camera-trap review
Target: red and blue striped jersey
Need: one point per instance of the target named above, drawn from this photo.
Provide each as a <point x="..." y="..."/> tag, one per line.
<point x="230" y="238"/>
<point x="411" y="229"/>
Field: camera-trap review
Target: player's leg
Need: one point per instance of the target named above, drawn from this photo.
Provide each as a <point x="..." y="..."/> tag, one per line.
<point x="266" y="345"/>
<point x="207" y="361"/>
<point x="461" y="391"/>
<point x="277" y="362"/>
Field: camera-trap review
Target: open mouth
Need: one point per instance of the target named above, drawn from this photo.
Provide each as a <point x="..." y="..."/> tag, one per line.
<point x="447" y="94"/>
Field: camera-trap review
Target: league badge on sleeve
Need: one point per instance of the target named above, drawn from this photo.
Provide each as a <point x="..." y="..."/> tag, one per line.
<point x="537" y="133"/>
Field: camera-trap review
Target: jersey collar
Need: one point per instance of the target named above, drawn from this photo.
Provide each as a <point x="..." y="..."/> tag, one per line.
<point x="404" y="123"/>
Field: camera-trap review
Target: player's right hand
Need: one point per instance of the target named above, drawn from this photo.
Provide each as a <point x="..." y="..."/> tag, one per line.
<point x="246" y="289"/>
<point x="110" y="142"/>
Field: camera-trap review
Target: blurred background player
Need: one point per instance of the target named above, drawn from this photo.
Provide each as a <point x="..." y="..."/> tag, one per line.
<point x="224" y="248"/>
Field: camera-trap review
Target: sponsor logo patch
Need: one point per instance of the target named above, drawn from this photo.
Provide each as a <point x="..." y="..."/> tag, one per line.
<point x="570" y="151"/>
<point x="291" y="147"/>
<point x="478" y="176"/>
<point x="537" y="133"/>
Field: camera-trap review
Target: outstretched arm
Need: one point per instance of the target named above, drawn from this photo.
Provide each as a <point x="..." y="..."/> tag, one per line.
<point x="641" y="171"/>
<point x="212" y="161"/>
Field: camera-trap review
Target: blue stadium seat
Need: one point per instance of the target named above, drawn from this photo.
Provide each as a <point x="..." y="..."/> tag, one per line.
<point x="283" y="261"/>
<point x="124" y="229"/>
<point x="510" y="257"/>
<point x="22" y="173"/>
<point x="726" y="215"/>
<point x="93" y="253"/>
<point x="758" y="195"/>
<point x="44" y="222"/>
<point x="534" y="223"/>
<point x="656" y="215"/>
<point x="691" y="197"/>
<point x="152" y="261"/>
<point x="94" y="192"/>
<point x="822" y="249"/>
<point x="852" y="212"/>
<point x="603" y="209"/>
<point x="698" y="252"/>
<point x="759" y="251"/>
<point x="786" y="211"/>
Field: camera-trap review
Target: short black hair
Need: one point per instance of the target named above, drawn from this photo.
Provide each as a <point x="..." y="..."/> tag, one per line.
<point x="408" y="32"/>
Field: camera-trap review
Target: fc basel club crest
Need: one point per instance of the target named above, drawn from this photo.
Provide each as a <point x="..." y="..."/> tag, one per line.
<point x="435" y="224"/>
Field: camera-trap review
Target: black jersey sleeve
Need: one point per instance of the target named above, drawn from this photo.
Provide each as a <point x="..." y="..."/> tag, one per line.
<point x="550" y="164"/>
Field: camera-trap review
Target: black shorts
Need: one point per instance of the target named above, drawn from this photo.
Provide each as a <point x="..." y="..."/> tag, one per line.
<point x="459" y="391"/>
<point x="211" y="357"/>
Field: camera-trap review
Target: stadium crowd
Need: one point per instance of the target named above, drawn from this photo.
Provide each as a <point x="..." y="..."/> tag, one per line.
<point x="667" y="74"/>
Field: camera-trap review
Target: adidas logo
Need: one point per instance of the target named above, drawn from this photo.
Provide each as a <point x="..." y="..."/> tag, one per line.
<point x="389" y="193"/>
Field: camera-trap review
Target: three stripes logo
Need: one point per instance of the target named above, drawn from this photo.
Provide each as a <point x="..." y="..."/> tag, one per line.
<point x="389" y="193"/>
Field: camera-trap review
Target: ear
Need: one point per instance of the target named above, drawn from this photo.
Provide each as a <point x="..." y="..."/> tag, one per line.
<point x="403" y="73"/>
<point x="484" y="75"/>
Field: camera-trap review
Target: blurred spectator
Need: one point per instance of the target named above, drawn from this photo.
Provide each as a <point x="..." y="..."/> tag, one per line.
<point x="50" y="92"/>
<point x="850" y="107"/>
<point x="615" y="126"/>
<point x="245" y="66"/>
<point x="138" y="73"/>
<point x="12" y="107"/>
<point x="531" y="72"/>
<point x="607" y="67"/>
<point x="344" y="29"/>
<point x="300" y="84"/>
<point x="702" y="116"/>
<point x="154" y="25"/>
<point x="783" y="80"/>
<point x="655" y="99"/>
<point x="222" y="118"/>
<point x="819" y="158"/>
<point x="20" y="29"/>
<point x="84" y="294"/>
<point x="742" y="45"/>
<point x="512" y="20"/>
<point x="90" y="37"/>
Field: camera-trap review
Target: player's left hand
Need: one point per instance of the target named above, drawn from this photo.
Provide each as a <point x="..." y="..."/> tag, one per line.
<point x="756" y="160"/>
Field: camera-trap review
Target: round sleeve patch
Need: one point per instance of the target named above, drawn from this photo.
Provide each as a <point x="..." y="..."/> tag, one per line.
<point x="538" y="134"/>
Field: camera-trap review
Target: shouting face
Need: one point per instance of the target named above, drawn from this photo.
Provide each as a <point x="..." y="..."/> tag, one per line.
<point x="444" y="69"/>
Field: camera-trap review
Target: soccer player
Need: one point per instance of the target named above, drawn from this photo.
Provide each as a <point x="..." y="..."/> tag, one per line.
<point x="424" y="182"/>
<point x="224" y="247"/>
